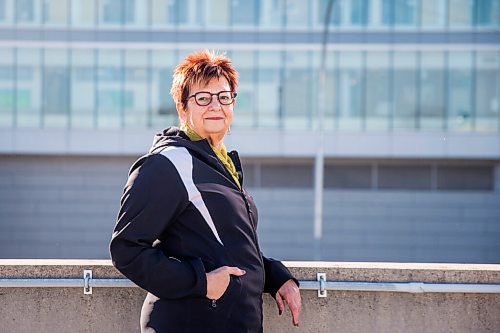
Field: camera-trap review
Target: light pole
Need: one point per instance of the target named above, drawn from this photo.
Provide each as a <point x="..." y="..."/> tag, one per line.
<point x="319" y="161"/>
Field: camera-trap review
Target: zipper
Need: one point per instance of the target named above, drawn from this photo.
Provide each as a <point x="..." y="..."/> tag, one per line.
<point x="236" y="160"/>
<point x="214" y="303"/>
<point x="254" y="234"/>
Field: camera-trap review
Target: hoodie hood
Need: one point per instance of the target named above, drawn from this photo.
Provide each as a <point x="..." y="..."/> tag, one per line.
<point x="173" y="136"/>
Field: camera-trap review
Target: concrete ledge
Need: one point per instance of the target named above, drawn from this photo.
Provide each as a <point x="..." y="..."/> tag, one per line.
<point x="303" y="270"/>
<point x="117" y="309"/>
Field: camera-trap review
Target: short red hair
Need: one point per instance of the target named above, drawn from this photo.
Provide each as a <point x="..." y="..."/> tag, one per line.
<point x="201" y="67"/>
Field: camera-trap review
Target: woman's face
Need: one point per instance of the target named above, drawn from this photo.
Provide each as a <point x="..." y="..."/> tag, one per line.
<point x="213" y="120"/>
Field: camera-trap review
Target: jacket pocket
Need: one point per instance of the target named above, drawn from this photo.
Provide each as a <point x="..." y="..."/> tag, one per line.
<point x="232" y="291"/>
<point x="208" y="264"/>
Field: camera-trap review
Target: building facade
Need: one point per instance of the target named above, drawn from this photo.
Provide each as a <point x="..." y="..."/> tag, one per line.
<point x="412" y="120"/>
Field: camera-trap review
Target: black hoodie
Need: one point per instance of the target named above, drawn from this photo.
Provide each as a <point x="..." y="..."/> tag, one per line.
<point x="183" y="215"/>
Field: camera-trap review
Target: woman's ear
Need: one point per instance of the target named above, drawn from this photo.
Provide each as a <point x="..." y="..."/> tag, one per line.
<point x="181" y="112"/>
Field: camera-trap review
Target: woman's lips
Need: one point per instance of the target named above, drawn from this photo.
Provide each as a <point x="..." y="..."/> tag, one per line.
<point x="214" y="118"/>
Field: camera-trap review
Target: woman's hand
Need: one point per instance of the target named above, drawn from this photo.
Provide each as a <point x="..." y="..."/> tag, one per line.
<point x="289" y="293"/>
<point x="218" y="280"/>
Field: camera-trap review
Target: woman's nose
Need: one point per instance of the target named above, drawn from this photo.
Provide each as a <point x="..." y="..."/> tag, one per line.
<point x="214" y="103"/>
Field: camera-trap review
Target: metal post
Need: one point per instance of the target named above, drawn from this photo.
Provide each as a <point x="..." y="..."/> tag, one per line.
<point x="320" y="154"/>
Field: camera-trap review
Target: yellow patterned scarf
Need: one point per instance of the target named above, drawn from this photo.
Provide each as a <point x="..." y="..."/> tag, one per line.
<point x="221" y="154"/>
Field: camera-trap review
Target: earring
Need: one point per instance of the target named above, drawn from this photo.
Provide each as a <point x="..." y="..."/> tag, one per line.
<point x="228" y="130"/>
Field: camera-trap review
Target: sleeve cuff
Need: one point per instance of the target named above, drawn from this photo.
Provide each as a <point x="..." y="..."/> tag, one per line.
<point x="276" y="275"/>
<point x="200" y="288"/>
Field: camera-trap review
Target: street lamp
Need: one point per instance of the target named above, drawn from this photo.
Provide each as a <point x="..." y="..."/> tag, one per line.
<point x="320" y="154"/>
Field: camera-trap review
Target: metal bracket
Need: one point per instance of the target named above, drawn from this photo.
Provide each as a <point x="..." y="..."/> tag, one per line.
<point x="321" y="277"/>
<point x="87" y="276"/>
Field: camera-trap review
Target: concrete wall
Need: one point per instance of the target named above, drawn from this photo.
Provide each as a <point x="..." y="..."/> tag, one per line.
<point x="65" y="207"/>
<point x="117" y="309"/>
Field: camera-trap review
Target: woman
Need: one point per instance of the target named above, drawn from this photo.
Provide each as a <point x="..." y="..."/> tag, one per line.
<point x="186" y="231"/>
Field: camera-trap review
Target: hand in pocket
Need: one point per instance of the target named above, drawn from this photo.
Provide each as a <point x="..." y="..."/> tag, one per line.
<point x="218" y="280"/>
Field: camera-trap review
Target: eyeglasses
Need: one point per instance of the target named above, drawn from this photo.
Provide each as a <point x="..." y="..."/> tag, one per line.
<point x="204" y="98"/>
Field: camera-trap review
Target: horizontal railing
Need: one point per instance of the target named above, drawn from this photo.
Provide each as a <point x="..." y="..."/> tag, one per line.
<point x="402" y="287"/>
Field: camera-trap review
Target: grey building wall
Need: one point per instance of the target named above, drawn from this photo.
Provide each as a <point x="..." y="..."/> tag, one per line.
<point x="59" y="207"/>
<point x="401" y="226"/>
<point x="497" y="177"/>
<point x="65" y="207"/>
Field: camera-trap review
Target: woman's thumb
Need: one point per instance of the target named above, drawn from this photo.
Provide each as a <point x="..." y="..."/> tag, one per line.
<point x="236" y="271"/>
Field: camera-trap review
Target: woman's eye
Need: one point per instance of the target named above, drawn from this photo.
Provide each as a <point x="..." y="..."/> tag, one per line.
<point x="202" y="99"/>
<point x="224" y="98"/>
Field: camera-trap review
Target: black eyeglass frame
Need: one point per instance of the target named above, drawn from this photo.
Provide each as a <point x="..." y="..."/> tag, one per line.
<point x="233" y="96"/>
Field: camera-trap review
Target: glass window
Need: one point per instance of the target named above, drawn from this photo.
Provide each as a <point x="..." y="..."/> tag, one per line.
<point x="83" y="100"/>
<point x="116" y="12"/>
<point x="313" y="104"/>
<point x="286" y="176"/>
<point x="297" y="94"/>
<point x="460" y="90"/>
<point x="191" y="13"/>
<point x="244" y="12"/>
<point x="269" y="88"/>
<point x="406" y="13"/>
<point x="272" y="14"/>
<point x="83" y="13"/>
<point x="387" y="12"/>
<point x="331" y="88"/>
<point x="460" y="13"/>
<point x="377" y="90"/>
<point x="3" y="11"/>
<point x="136" y="107"/>
<point x="28" y="90"/>
<point x="487" y="12"/>
<point x="217" y="13"/>
<point x="487" y="90"/>
<point x="110" y="94"/>
<point x="6" y="11"/>
<point x="348" y="176"/>
<point x="28" y="12"/>
<point x="433" y="13"/>
<point x="407" y="177"/>
<point x="139" y="13"/>
<point x="405" y="89"/>
<point x="56" y="88"/>
<point x="250" y="170"/>
<point x="55" y="12"/>
<point x="345" y="13"/>
<point x="335" y="14"/>
<point x="7" y="95"/>
<point x="358" y="13"/>
<point x="402" y="13"/>
<point x="169" y="12"/>
<point x="162" y="104"/>
<point x="465" y="178"/>
<point x="297" y="13"/>
<point x="350" y="90"/>
<point x="432" y="104"/>
<point x="244" y="111"/>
